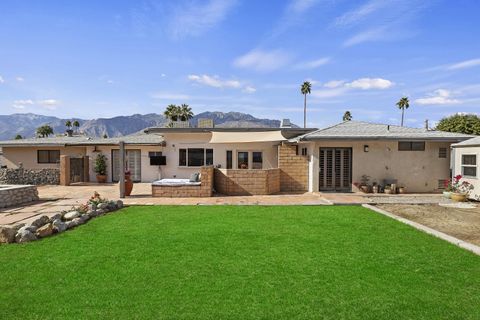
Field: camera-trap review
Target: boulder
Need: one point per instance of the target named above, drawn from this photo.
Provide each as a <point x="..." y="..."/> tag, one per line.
<point x="30" y="228"/>
<point x="40" y="221"/>
<point x="7" y="234"/>
<point x="71" y="215"/>
<point x="119" y="204"/>
<point x="24" y="236"/>
<point x="70" y="224"/>
<point x="92" y="213"/>
<point x="57" y="216"/>
<point x="45" y="231"/>
<point x="100" y="212"/>
<point x="102" y="205"/>
<point x="84" y="218"/>
<point x="59" y="226"/>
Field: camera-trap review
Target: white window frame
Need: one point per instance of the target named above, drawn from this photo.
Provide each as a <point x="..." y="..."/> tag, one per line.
<point x="469" y="165"/>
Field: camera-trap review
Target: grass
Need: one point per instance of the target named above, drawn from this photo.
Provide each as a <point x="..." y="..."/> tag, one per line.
<point x="242" y="262"/>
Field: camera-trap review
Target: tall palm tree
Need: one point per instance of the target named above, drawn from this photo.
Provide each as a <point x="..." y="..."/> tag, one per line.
<point x="68" y="124"/>
<point x="76" y="124"/>
<point x="403" y="104"/>
<point x="171" y="112"/>
<point x="305" y="89"/>
<point x="347" y="116"/>
<point x="185" y="112"/>
<point x="44" y="131"/>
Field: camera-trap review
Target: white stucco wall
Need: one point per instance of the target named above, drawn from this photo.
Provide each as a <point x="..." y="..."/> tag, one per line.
<point x="457" y="168"/>
<point x="418" y="171"/>
<point x="13" y="156"/>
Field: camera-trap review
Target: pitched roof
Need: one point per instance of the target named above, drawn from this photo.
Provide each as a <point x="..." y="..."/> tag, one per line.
<point x="474" y="142"/>
<point x="138" y="139"/>
<point x="359" y="130"/>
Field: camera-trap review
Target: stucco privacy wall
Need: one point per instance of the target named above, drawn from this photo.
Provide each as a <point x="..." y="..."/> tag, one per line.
<point x="458" y="152"/>
<point x="239" y="182"/>
<point x="293" y="169"/>
<point x="13" y="156"/>
<point x="418" y="171"/>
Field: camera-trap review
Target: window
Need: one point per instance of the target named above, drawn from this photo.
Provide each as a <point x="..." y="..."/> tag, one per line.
<point x="154" y="154"/>
<point x="195" y="157"/>
<point x="442" y="153"/>
<point x="469" y="165"/>
<point x="48" y="156"/>
<point x="242" y="159"/>
<point x="411" y="146"/>
<point x="257" y="160"/>
<point x="304" y="151"/>
<point x="229" y="159"/>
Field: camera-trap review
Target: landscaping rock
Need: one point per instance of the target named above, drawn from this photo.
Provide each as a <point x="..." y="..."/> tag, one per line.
<point x="100" y="212"/>
<point x="40" y="221"/>
<point x="119" y="204"/>
<point x="70" y="224"/>
<point x="7" y="234"/>
<point x="84" y="218"/>
<point x="24" y="236"/>
<point x="59" y="226"/>
<point x="92" y="213"/>
<point x="45" y="231"/>
<point x="30" y="228"/>
<point x="71" y="215"/>
<point x="57" y="216"/>
<point x="102" y="205"/>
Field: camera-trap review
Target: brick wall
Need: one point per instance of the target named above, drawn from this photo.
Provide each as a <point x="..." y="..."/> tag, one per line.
<point x="203" y="190"/>
<point x="293" y="169"/>
<point x="236" y="182"/>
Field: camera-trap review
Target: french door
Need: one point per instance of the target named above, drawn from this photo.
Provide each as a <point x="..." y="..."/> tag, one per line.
<point x="134" y="164"/>
<point x="335" y="169"/>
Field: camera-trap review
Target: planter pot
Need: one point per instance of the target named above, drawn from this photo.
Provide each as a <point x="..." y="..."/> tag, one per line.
<point x="447" y="194"/>
<point x="101" y="178"/>
<point x="388" y="191"/>
<point x="128" y="185"/>
<point x="402" y="190"/>
<point x="375" y="189"/>
<point x="365" y="189"/>
<point x="459" y="197"/>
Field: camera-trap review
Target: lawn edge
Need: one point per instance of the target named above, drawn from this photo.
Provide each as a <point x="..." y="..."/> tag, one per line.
<point x="458" y="242"/>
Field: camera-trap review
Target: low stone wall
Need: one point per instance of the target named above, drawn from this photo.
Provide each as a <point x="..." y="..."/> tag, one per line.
<point x="28" y="176"/>
<point x="203" y="190"/>
<point x="15" y="195"/>
<point x="241" y="182"/>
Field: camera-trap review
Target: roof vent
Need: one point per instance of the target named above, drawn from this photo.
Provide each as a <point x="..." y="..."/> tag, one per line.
<point x="285" y="123"/>
<point x="388" y="128"/>
<point x="205" y="123"/>
<point x="426" y="125"/>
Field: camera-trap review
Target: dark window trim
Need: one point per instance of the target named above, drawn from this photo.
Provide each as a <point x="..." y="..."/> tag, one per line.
<point x="49" y="157"/>
<point x="409" y="145"/>
<point x="186" y="165"/>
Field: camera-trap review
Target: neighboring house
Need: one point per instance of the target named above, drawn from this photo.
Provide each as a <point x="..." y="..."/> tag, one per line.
<point x="263" y="160"/>
<point x="466" y="162"/>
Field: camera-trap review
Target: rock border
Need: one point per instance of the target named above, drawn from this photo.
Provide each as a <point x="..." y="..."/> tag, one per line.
<point x="43" y="226"/>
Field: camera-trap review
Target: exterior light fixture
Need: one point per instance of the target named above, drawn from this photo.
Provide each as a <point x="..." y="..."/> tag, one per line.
<point x="365" y="148"/>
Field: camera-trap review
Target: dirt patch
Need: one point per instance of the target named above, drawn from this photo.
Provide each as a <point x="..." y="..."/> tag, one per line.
<point x="461" y="223"/>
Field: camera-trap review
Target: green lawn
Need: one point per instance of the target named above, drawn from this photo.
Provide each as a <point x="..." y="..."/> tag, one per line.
<point x="243" y="262"/>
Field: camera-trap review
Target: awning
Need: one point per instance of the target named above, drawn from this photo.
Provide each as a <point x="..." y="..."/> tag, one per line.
<point x="246" y="137"/>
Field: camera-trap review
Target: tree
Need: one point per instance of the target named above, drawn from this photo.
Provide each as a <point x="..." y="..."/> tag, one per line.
<point x="460" y="123"/>
<point x="171" y="112"/>
<point x="68" y="124"/>
<point x="305" y="89"/>
<point x="105" y="136"/>
<point x="185" y="112"/>
<point x="18" y="137"/>
<point x="347" y="116"/>
<point x="44" y="131"/>
<point x="76" y="124"/>
<point x="403" y="104"/>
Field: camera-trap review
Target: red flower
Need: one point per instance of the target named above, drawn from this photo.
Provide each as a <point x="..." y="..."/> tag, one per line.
<point x="458" y="177"/>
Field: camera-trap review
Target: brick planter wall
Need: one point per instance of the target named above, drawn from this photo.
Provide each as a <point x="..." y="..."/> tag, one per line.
<point x="293" y="169"/>
<point x="203" y="190"/>
<point x="238" y="182"/>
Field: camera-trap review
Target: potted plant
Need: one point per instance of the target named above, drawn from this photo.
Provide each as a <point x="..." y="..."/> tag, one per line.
<point x="402" y="190"/>
<point x="461" y="189"/>
<point x="101" y="168"/>
<point x="375" y="187"/>
<point x="387" y="189"/>
<point x="364" y="183"/>
<point x="447" y="193"/>
<point x="128" y="183"/>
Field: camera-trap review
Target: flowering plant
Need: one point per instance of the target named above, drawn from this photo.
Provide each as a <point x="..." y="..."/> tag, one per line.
<point x="458" y="186"/>
<point x="96" y="199"/>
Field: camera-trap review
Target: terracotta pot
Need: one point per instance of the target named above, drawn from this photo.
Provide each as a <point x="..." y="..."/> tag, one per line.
<point x="128" y="185"/>
<point x="365" y="189"/>
<point x="375" y="189"/>
<point x="447" y="194"/>
<point x="101" y="178"/>
<point x="458" y="197"/>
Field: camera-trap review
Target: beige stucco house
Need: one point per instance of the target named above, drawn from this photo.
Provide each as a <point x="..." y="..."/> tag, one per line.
<point x="466" y="162"/>
<point x="259" y="160"/>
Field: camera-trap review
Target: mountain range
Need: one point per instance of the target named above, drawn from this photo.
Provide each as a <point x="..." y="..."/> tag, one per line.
<point x="25" y="124"/>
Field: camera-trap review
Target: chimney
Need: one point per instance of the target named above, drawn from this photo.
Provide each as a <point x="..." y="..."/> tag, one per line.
<point x="205" y="123"/>
<point x="426" y="125"/>
<point x="285" y="123"/>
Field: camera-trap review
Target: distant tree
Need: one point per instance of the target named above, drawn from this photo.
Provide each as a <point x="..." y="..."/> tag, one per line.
<point x="460" y="123"/>
<point x="347" y="116"/>
<point x="18" y="137"/>
<point x="76" y="124"/>
<point x="172" y="112"/>
<point x="44" y="131"/>
<point x="403" y="104"/>
<point x="68" y="124"/>
<point x="185" y="112"/>
<point x="305" y="88"/>
<point x="105" y="136"/>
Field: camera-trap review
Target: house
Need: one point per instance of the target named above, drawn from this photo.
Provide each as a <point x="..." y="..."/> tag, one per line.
<point x="466" y="161"/>
<point x="259" y="160"/>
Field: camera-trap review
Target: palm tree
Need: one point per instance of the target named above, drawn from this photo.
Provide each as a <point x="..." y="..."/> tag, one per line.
<point x="171" y="112"/>
<point x="76" y="124"/>
<point x="347" y="116"/>
<point x="68" y="124"/>
<point x="44" y="131"/>
<point x="305" y="89"/>
<point x="185" y="112"/>
<point x="403" y="104"/>
<point x="18" y="137"/>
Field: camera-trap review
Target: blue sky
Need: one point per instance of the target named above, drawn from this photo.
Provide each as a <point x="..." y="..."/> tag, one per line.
<point x="104" y="58"/>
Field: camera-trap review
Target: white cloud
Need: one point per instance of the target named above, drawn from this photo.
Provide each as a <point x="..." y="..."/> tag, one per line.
<point x="170" y="96"/>
<point x="370" y="83"/>
<point x="374" y="34"/>
<point x="360" y="13"/>
<point x="1" y="80"/>
<point x="464" y="64"/>
<point x="249" y="89"/>
<point x="50" y="104"/>
<point x="20" y="79"/>
<point x="313" y="64"/>
<point x="263" y="61"/>
<point x="334" y="84"/>
<point x="214" y="81"/>
<point x="193" y="18"/>
<point x="438" y="97"/>
<point x="163" y="75"/>
<point x="21" y="104"/>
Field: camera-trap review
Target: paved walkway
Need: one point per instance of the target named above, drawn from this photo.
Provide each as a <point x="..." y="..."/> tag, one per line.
<point x="54" y="199"/>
